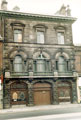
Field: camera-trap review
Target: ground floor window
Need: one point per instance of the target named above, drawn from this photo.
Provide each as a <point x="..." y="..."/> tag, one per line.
<point x="19" y="93"/>
<point x="64" y="92"/>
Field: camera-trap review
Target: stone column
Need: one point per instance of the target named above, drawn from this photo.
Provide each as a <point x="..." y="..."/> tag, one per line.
<point x="30" y="94"/>
<point x="1" y="95"/>
<point x="74" y="92"/>
<point x="55" y="93"/>
<point x="7" y="96"/>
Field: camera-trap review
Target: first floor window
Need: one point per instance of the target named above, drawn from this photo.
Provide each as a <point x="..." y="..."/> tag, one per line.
<point x="61" y="64"/>
<point x="41" y="64"/>
<point x="18" y="64"/>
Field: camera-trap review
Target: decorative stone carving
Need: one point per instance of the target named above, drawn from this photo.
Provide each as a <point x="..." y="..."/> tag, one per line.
<point x="7" y="74"/>
<point x="61" y="50"/>
<point x="74" y="92"/>
<point x="75" y="74"/>
<point x="55" y="73"/>
<point x="30" y="94"/>
<point x="68" y="11"/>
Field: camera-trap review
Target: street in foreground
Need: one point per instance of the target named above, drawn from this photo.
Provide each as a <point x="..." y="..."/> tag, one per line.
<point x="69" y="116"/>
<point x="71" y="113"/>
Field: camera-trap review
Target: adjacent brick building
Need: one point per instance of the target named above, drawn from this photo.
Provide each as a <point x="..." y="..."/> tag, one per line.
<point x="38" y="58"/>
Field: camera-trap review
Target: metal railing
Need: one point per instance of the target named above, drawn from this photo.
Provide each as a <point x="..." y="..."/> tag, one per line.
<point x="65" y="73"/>
<point x="49" y="73"/>
<point x="19" y="73"/>
<point x="43" y="74"/>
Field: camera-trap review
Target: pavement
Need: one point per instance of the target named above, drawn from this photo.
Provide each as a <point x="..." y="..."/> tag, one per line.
<point x="36" y="108"/>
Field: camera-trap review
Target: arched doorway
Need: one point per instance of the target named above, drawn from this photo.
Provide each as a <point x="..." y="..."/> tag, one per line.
<point x="42" y="94"/>
<point x="64" y="92"/>
<point x="19" y="93"/>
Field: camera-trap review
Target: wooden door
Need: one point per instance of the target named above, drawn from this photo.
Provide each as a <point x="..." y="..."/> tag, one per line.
<point x="42" y="94"/>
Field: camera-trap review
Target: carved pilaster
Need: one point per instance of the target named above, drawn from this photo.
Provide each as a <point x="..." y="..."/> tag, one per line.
<point x="55" y="93"/>
<point x="6" y="96"/>
<point x="72" y="63"/>
<point x="30" y="94"/>
<point x="74" y="92"/>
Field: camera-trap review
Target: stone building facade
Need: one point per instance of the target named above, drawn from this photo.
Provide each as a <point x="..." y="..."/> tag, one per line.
<point x="38" y="59"/>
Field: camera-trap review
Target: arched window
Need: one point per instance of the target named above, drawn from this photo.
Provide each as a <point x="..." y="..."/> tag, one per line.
<point x="61" y="64"/>
<point x="18" y="64"/>
<point x="41" y="64"/>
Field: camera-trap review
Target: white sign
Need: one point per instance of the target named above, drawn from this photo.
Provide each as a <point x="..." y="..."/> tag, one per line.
<point x="0" y="84"/>
<point x="79" y="81"/>
<point x="0" y="81"/>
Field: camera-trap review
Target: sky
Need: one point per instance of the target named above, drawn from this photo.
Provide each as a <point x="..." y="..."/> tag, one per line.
<point x="50" y="7"/>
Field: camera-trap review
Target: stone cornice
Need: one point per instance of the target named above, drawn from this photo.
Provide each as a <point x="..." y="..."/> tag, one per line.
<point x="78" y="48"/>
<point x="12" y="14"/>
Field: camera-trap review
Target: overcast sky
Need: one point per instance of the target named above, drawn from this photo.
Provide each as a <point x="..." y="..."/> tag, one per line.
<point x="50" y="7"/>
